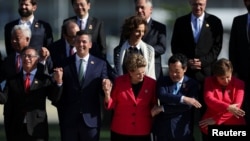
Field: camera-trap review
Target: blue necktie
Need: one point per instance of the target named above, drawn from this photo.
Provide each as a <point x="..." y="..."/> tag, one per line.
<point x="196" y="29"/>
<point x="175" y="91"/>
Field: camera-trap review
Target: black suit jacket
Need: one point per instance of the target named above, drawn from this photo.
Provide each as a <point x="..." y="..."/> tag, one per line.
<point x="239" y="47"/>
<point x="41" y="34"/>
<point x="206" y="49"/>
<point x="239" y="50"/>
<point x="81" y="99"/>
<point x="156" y="36"/>
<point x="96" y="28"/>
<point x="33" y="105"/>
<point x="58" y="52"/>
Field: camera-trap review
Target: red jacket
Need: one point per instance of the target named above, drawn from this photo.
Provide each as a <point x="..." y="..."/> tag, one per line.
<point x="217" y="102"/>
<point x="132" y="116"/>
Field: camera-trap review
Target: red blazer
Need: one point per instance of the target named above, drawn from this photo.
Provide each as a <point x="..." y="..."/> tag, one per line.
<point x="132" y="115"/>
<point x="217" y="102"/>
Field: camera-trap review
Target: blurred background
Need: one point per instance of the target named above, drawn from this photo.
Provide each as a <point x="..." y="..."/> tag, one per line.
<point x="113" y="12"/>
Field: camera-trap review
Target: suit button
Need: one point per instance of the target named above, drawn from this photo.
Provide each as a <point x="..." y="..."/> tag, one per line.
<point x="133" y="123"/>
<point x="134" y="105"/>
<point x="133" y="114"/>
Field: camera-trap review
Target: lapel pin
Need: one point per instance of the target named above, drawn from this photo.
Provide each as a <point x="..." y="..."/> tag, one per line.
<point x="36" y="82"/>
<point x="146" y="91"/>
<point x="36" y="25"/>
<point x="92" y="62"/>
<point x="207" y="25"/>
<point x="90" y="27"/>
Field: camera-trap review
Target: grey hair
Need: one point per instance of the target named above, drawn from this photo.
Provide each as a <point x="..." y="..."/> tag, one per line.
<point x="25" y="29"/>
<point x="149" y="2"/>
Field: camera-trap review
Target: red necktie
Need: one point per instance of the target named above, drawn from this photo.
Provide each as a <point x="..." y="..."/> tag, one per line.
<point x="27" y="83"/>
<point x="71" y="51"/>
<point x="18" y="63"/>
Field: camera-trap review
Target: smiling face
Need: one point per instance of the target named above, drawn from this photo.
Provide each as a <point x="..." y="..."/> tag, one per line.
<point x="143" y="8"/>
<point x="137" y="34"/>
<point x="83" y="44"/>
<point x="198" y="7"/>
<point x="137" y="75"/>
<point x="19" y="41"/>
<point x="30" y="59"/>
<point x="176" y="71"/>
<point x="81" y="8"/>
<point x="26" y="8"/>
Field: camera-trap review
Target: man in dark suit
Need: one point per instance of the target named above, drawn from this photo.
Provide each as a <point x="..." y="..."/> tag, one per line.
<point x="12" y="64"/>
<point x="79" y="109"/>
<point x="25" y="98"/>
<point x="201" y="48"/>
<point x="64" y="47"/>
<point x="90" y="24"/>
<point x="156" y="34"/>
<point x="198" y="35"/>
<point x="41" y="30"/>
<point x="239" y="44"/>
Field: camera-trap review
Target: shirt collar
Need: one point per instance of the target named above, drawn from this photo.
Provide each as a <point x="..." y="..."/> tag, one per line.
<point x="29" y="22"/>
<point x="193" y="17"/>
<point x="33" y="72"/>
<point x="86" y="58"/>
<point x="84" y="19"/>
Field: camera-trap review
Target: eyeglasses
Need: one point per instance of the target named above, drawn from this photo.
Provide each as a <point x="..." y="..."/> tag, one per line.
<point x="29" y="56"/>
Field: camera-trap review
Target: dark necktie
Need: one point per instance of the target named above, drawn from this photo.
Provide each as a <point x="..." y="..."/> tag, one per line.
<point x="81" y="70"/>
<point x="18" y="63"/>
<point x="27" y="83"/>
<point x="133" y="50"/>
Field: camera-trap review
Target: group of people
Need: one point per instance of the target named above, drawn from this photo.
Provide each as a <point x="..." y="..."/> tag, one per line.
<point x="73" y="73"/>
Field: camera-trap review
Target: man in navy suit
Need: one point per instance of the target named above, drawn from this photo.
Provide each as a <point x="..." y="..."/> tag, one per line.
<point x="177" y="94"/>
<point x="79" y="108"/>
<point x="41" y="30"/>
<point x="239" y="44"/>
<point x="156" y="34"/>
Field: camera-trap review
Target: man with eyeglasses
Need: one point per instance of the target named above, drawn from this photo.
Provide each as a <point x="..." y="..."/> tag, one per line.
<point x="25" y="99"/>
<point x="65" y="46"/>
<point x="12" y="64"/>
<point x="198" y="35"/>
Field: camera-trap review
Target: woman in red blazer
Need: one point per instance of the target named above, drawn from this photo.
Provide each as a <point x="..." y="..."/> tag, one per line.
<point x="132" y="98"/>
<point x="223" y="95"/>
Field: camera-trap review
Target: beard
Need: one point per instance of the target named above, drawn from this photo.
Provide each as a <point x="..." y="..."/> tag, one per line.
<point x="24" y="13"/>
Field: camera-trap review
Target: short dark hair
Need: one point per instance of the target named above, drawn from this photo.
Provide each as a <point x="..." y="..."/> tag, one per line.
<point x="84" y="32"/>
<point x="33" y="2"/>
<point x="178" y="57"/>
<point x="72" y="1"/>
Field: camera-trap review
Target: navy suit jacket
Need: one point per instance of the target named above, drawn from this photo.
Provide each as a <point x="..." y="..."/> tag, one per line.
<point x="41" y="34"/>
<point x="176" y="122"/>
<point x="82" y="99"/>
<point x="96" y="28"/>
<point x="208" y="47"/>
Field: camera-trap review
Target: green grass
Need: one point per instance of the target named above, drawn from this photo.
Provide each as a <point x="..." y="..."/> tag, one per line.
<point x="54" y="134"/>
